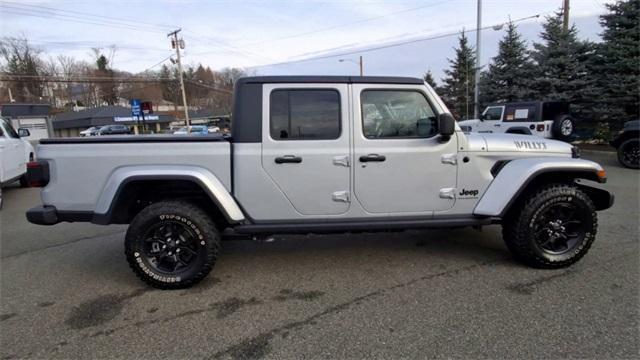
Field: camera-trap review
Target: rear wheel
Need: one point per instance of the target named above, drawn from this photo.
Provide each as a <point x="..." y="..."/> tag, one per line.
<point x="553" y="227"/>
<point x="563" y="127"/>
<point x="172" y="244"/>
<point x="629" y="153"/>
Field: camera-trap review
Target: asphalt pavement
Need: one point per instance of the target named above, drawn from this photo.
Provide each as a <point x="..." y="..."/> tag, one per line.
<point x="66" y="292"/>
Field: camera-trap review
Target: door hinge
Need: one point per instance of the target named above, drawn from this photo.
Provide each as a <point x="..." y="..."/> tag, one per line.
<point x="448" y="193"/>
<point x="341" y="160"/>
<point x="340" y="196"/>
<point x="449" y="159"/>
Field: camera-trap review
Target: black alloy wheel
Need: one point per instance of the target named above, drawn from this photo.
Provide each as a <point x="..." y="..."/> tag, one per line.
<point x="629" y="153"/>
<point x="559" y="228"/>
<point x="170" y="246"/>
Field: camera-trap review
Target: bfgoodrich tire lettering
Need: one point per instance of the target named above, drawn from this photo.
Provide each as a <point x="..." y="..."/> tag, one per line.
<point x="551" y="228"/>
<point x="172" y="244"/>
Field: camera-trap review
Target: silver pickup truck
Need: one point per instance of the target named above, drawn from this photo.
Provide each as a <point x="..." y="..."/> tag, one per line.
<point x="318" y="154"/>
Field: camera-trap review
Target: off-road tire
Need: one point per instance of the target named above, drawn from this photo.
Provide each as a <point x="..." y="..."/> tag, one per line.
<point x="624" y="150"/>
<point x="177" y="213"/>
<point x="559" y="127"/>
<point x="520" y="225"/>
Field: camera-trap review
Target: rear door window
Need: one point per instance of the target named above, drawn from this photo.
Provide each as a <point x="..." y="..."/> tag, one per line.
<point x="520" y="113"/>
<point x="304" y="114"/>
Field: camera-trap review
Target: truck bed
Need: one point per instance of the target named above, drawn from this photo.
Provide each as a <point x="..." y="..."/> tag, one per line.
<point x="82" y="168"/>
<point x="135" y="138"/>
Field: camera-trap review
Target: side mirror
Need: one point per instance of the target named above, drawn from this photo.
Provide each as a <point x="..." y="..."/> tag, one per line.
<point x="482" y="117"/>
<point x="22" y="132"/>
<point x="447" y="126"/>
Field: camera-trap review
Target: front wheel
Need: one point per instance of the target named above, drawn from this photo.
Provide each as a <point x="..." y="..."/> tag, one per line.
<point x="629" y="153"/>
<point x="553" y="228"/>
<point x="172" y="244"/>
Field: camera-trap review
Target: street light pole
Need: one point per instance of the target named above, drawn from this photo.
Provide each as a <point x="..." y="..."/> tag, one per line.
<point x="565" y="16"/>
<point x="177" y="44"/>
<point x="476" y="92"/>
<point x="360" y="63"/>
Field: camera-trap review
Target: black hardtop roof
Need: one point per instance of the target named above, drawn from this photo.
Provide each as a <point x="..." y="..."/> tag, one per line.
<point x="519" y="103"/>
<point x="330" y="79"/>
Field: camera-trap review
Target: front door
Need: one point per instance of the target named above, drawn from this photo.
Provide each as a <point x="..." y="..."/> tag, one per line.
<point x="305" y="145"/>
<point x="400" y="163"/>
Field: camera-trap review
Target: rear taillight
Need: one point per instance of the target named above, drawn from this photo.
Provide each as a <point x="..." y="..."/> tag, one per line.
<point x="540" y="127"/>
<point x="38" y="173"/>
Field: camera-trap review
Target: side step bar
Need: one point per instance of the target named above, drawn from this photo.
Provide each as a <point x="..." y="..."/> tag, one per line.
<point x="359" y="225"/>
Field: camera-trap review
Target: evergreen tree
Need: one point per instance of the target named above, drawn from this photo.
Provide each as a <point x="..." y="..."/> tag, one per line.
<point x="617" y="64"/>
<point x="562" y="72"/>
<point x="509" y="73"/>
<point x="428" y="78"/>
<point x="458" y="84"/>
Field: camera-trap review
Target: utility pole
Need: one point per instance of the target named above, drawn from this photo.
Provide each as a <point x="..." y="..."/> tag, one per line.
<point x="361" y="66"/>
<point x="476" y="92"/>
<point x="565" y="16"/>
<point x="177" y="44"/>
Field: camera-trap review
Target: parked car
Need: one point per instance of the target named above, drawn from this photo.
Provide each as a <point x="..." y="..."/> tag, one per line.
<point x="15" y="153"/>
<point x="214" y="129"/>
<point x="195" y="130"/>
<point x="92" y="131"/>
<point x="547" y="119"/>
<point x="316" y="154"/>
<point x="114" y="130"/>
<point x="627" y="142"/>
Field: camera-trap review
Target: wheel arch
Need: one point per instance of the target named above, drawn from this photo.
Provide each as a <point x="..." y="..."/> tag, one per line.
<point x="518" y="177"/>
<point x="128" y="185"/>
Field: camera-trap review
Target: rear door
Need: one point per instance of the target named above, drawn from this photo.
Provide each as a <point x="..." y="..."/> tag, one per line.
<point x="400" y="164"/>
<point x="305" y="145"/>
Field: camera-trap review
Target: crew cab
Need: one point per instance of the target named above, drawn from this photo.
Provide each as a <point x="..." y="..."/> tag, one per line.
<point x="320" y="154"/>
<point x="547" y="119"/>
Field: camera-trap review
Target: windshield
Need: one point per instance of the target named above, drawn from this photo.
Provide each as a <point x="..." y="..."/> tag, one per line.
<point x="8" y="128"/>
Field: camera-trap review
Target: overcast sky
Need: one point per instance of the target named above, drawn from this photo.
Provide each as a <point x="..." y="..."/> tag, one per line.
<point x="254" y="33"/>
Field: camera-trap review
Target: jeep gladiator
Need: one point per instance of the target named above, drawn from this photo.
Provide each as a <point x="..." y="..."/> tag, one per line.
<point x="320" y="154"/>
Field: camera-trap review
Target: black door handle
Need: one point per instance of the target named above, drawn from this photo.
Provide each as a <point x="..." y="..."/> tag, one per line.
<point x="372" y="157"/>
<point x="289" y="159"/>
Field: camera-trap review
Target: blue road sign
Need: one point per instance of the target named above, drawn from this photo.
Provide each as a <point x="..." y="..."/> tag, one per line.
<point x="135" y="107"/>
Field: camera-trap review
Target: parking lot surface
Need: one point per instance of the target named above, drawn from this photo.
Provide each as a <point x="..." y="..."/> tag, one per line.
<point x="67" y="292"/>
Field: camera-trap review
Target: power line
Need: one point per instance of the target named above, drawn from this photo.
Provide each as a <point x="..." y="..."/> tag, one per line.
<point x="158" y="63"/>
<point x="75" y="19"/>
<point x="346" y="24"/>
<point x="100" y="17"/>
<point x="229" y="47"/>
<point x="380" y="47"/>
<point x="80" y="44"/>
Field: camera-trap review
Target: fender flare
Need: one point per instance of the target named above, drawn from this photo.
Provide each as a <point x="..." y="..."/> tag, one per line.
<point x="201" y="176"/>
<point x="514" y="177"/>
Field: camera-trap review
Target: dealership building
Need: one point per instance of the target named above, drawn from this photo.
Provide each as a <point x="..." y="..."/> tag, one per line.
<point x="71" y="123"/>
